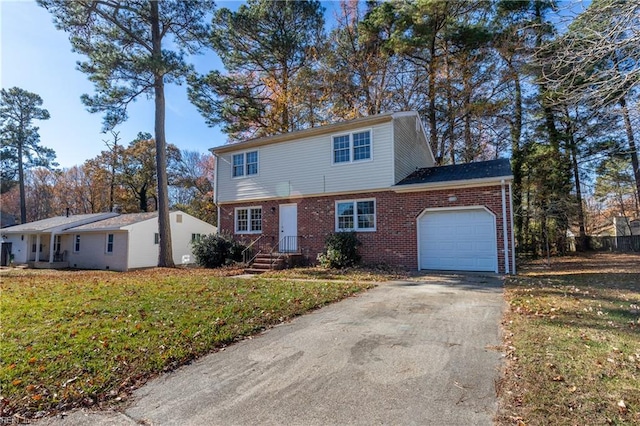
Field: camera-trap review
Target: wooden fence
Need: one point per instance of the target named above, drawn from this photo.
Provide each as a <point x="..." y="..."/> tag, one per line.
<point x="626" y="243"/>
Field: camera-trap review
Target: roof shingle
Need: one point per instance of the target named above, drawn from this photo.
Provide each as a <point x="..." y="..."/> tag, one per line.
<point x="457" y="172"/>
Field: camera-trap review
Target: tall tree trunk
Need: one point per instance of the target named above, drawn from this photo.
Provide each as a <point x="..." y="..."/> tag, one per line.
<point x="450" y="113"/>
<point x="582" y="234"/>
<point x="433" y="123"/>
<point x="23" y="201"/>
<point x="165" y="256"/>
<point x="142" y="196"/>
<point x="632" y="145"/>
<point x="517" y="154"/>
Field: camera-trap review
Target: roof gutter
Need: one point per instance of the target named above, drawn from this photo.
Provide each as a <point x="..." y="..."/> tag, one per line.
<point x="452" y="184"/>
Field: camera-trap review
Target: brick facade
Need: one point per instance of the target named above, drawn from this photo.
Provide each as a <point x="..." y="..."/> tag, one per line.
<point x="395" y="240"/>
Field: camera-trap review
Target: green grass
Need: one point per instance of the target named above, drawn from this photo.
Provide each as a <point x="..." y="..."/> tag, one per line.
<point x="573" y="346"/>
<point x="83" y="338"/>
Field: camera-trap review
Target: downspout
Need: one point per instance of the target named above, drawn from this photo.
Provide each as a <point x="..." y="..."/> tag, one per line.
<point x="215" y="191"/>
<point x="513" y="243"/>
<point x="504" y="229"/>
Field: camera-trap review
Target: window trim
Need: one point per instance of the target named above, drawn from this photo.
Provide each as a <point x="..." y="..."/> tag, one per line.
<point x="112" y="243"/>
<point x="355" y="202"/>
<point x="351" y="147"/>
<point x="245" y="165"/>
<point x="248" y="209"/>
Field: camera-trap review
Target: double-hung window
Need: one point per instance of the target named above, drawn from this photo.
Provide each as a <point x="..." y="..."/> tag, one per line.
<point x="109" y="243"/>
<point x="248" y="220"/>
<point x="352" y="147"/>
<point x="245" y="164"/>
<point x="356" y="215"/>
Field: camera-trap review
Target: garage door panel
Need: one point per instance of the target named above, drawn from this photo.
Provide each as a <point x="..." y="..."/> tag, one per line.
<point x="458" y="240"/>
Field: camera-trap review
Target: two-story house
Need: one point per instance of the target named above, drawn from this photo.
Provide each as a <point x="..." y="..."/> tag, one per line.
<point x="375" y="176"/>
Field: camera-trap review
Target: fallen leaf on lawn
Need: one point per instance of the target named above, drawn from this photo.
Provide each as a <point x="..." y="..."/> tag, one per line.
<point x="622" y="407"/>
<point x="16" y="382"/>
<point x="37" y="397"/>
<point x="558" y="379"/>
<point x="573" y="389"/>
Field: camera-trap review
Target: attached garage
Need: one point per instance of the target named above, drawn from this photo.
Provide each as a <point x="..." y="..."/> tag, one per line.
<point x="461" y="239"/>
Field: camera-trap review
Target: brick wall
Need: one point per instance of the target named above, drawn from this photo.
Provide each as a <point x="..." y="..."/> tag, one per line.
<point x="395" y="240"/>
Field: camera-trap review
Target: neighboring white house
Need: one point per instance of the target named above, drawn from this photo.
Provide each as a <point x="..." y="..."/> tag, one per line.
<point x="40" y="241"/>
<point x="105" y="241"/>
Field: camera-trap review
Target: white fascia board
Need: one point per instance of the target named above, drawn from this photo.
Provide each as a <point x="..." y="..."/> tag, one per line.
<point x="323" y="194"/>
<point x="468" y="183"/>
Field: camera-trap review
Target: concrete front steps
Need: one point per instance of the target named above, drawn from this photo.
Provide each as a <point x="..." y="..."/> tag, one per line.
<point x="265" y="262"/>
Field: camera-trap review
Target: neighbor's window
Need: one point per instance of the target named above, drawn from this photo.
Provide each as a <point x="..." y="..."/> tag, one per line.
<point x="245" y="164"/>
<point x="76" y="243"/>
<point x="352" y="147"/>
<point x="249" y="220"/>
<point x="196" y="238"/>
<point x="356" y="215"/>
<point x="156" y="238"/>
<point x="109" y="243"/>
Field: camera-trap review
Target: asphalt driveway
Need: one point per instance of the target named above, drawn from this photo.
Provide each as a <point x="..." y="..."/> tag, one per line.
<point x="405" y="353"/>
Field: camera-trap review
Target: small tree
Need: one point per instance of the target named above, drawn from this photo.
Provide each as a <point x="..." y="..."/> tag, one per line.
<point x="341" y="250"/>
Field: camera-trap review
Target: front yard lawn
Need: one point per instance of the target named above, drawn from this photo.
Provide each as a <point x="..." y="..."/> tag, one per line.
<point x="72" y="338"/>
<point x="573" y="342"/>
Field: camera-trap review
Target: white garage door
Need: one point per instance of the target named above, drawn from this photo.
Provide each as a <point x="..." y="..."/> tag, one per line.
<point x="458" y="240"/>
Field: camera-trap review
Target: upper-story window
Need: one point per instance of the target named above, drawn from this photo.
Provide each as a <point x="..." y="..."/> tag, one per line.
<point x="352" y="147"/>
<point x="245" y="164"/>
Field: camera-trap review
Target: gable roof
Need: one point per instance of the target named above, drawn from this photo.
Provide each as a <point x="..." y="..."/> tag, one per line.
<point x="114" y="223"/>
<point x="314" y="131"/>
<point x="485" y="170"/>
<point x="57" y="223"/>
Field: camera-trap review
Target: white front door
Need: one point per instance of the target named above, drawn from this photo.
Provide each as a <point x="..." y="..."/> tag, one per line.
<point x="288" y="228"/>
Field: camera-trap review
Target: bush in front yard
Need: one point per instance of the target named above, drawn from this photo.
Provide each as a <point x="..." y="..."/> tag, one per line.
<point x="213" y="251"/>
<point x="341" y="250"/>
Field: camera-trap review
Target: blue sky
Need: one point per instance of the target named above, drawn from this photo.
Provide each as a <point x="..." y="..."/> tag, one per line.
<point x="38" y="58"/>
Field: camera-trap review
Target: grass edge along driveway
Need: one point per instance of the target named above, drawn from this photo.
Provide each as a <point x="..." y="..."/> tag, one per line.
<point x="83" y="338"/>
<point x="572" y="338"/>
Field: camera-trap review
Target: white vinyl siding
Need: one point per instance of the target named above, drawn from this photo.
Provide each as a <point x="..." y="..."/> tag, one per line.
<point x="93" y="254"/>
<point x="411" y="147"/>
<point x="305" y="167"/>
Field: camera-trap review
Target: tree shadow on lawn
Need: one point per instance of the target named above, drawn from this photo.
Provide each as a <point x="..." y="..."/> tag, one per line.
<point x="597" y="301"/>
